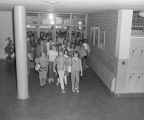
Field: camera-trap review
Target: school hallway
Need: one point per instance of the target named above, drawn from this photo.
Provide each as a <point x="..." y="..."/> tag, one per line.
<point x="92" y="103"/>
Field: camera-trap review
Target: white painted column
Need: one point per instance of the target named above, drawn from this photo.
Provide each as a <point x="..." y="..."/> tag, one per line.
<point x="124" y="33"/>
<point x="125" y="17"/>
<point x="21" y="51"/>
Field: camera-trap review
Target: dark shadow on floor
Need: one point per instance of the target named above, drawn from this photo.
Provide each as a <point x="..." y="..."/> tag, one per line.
<point x="47" y="103"/>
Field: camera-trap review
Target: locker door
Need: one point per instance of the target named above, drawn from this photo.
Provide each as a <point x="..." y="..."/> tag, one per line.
<point x="135" y="80"/>
<point x="134" y="58"/>
<point x="132" y="82"/>
<point x="141" y="54"/>
<point x="140" y="83"/>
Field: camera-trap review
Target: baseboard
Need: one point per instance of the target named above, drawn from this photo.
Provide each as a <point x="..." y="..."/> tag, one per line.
<point x="112" y="94"/>
<point x="129" y="95"/>
<point x="6" y="60"/>
<point x="2" y="59"/>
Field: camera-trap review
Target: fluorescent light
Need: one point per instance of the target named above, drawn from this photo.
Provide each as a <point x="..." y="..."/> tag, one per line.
<point x="30" y="26"/>
<point x="52" y="22"/>
<point x="50" y="10"/>
<point x="52" y="2"/>
<point x="27" y="26"/>
<point x="141" y="13"/>
<point x="51" y="17"/>
<point x="80" y="22"/>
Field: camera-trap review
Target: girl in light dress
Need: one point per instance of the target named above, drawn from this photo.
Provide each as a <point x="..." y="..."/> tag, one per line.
<point x="67" y="66"/>
<point x="42" y="62"/>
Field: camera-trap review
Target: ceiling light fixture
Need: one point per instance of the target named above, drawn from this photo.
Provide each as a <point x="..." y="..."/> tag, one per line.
<point x="80" y="22"/>
<point x="141" y="13"/>
<point x="52" y="2"/>
<point x="50" y="10"/>
<point x="51" y="18"/>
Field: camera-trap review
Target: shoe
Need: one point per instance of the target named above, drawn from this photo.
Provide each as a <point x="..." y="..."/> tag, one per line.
<point x="44" y="83"/>
<point x="63" y="91"/>
<point x="73" y="90"/>
<point x="52" y="80"/>
<point x="49" y="80"/>
<point x="41" y="84"/>
<point x="57" y="82"/>
<point x="77" y="90"/>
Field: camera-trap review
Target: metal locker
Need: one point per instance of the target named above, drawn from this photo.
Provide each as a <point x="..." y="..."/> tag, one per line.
<point x="141" y="52"/>
<point x="135" y="79"/>
<point x="134" y="58"/>
<point x="131" y="85"/>
<point x="140" y="83"/>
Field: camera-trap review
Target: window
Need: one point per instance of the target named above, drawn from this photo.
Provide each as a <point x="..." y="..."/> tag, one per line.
<point x="92" y="35"/>
<point x="102" y="40"/>
<point x="95" y="36"/>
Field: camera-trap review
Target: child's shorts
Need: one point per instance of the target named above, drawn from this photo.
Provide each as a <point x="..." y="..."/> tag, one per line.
<point x="69" y="69"/>
<point x="66" y="73"/>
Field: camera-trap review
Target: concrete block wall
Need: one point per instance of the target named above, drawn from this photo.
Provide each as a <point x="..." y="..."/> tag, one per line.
<point x="104" y="62"/>
<point x="6" y="30"/>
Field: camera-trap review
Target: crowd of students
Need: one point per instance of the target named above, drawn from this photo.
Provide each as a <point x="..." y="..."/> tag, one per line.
<point x="60" y="59"/>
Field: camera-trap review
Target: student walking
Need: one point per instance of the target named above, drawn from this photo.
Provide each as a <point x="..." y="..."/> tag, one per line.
<point x="76" y="71"/>
<point x="52" y="54"/>
<point x="87" y="48"/>
<point x="68" y="62"/>
<point x="42" y="63"/>
<point x="81" y="51"/>
<point x="60" y="63"/>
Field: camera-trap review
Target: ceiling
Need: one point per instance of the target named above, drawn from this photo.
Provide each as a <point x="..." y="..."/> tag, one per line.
<point x="75" y="6"/>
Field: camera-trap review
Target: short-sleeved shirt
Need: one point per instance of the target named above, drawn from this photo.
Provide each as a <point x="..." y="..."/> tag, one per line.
<point x="48" y="45"/>
<point x="59" y="41"/>
<point x="61" y="62"/>
<point x="87" y="47"/>
<point x="52" y="55"/>
<point x="81" y="50"/>
<point x="42" y="61"/>
<point x="76" y="64"/>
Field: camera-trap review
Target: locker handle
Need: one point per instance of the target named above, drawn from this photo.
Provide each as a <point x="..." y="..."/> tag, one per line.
<point x="141" y="52"/>
<point x="139" y="77"/>
<point x="131" y="76"/>
<point x="133" y="52"/>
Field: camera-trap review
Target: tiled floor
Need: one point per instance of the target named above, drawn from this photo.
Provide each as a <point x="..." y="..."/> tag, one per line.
<point x="92" y="103"/>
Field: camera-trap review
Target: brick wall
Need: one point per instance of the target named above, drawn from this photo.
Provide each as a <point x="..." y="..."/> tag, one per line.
<point x="104" y="62"/>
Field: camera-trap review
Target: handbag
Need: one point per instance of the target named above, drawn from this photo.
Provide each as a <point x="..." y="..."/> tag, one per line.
<point x="37" y="67"/>
<point x="30" y="56"/>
